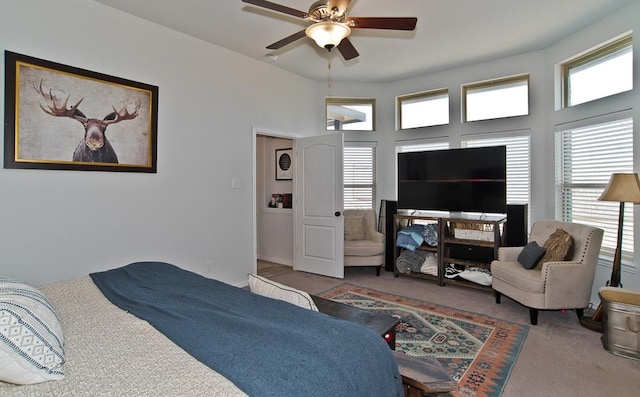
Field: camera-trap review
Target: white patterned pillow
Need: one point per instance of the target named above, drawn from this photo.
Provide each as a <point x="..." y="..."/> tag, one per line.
<point x="31" y="341"/>
<point x="263" y="286"/>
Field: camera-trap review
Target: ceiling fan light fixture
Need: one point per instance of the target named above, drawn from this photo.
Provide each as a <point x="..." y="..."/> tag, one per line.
<point x="328" y="34"/>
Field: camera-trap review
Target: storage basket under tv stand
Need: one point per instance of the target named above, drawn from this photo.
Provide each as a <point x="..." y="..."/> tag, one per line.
<point x="450" y="249"/>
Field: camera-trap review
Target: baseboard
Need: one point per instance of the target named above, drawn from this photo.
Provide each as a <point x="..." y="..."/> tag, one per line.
<point x="279" y="261"/>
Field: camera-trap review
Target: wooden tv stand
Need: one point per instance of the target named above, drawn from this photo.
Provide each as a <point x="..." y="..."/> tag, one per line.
<point x="464" y="241"/>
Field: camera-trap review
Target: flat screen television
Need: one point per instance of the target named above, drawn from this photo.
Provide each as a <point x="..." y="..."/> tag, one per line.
<point x="455" y="180"/>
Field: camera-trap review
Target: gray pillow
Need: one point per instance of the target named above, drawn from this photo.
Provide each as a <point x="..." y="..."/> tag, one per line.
<point x="531" y="255"/>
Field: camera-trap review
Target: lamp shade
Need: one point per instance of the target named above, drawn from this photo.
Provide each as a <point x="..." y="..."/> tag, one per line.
<point x="328" y="34"/>
<point x="622" y="188"/>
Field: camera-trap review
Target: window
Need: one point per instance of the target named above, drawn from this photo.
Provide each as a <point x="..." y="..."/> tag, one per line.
<point x="493" y="99"/>
<point x="518" y="161"/>
<point x="604" y="71"/>
<point x="351" y="114"/>
<point x="422" y="145"/>
<point x="423" y="109"/>
<point x="359" y="175"/>
<point x="587" y="156"/>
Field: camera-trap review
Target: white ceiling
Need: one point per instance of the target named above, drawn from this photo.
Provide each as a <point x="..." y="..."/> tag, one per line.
<point x="449" y="33"/>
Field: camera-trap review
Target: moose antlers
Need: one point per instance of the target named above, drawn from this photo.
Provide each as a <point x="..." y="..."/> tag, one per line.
<point x="123" y="113"/>
<point x="55" y="106"/>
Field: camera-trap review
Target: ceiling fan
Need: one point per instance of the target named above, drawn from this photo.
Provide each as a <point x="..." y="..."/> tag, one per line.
<point x="331" y="26"/>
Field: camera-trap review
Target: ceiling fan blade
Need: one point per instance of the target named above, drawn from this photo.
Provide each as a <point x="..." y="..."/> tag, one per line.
<point x="287" y="40"/>
<point x="277" y="7"/>
<point x="339" y="5"/>
<point x="382" y="23"/>
<point x="347" y="49"/>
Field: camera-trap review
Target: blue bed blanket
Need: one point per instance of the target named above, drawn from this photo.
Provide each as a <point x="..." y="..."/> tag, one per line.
<point x="266" y="347"/>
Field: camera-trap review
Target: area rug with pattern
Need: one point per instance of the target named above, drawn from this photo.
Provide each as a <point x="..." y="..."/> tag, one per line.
<point x="476" y="350"/>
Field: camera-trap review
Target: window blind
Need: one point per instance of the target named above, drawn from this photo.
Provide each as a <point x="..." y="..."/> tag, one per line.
<point x="421" y="145"/>
<point x="359" y="175"/>
<point x="587" y="156"/>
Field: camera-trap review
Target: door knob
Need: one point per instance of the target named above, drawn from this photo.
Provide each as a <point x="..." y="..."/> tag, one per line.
<point x="338" y="213"/>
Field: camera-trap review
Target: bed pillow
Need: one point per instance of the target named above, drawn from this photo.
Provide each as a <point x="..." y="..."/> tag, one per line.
<point x="31" y="341"/>
<point x="271" y="289"/>
<point x="531" y="255"/>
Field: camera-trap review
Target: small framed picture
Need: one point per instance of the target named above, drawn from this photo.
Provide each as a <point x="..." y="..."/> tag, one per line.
<point x="284" y="164"/>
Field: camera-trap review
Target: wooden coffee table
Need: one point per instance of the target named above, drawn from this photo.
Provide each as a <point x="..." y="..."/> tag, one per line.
<point x="383" y="324"/>
<point x="420" y="376"/>
<point x="423" y="376"/>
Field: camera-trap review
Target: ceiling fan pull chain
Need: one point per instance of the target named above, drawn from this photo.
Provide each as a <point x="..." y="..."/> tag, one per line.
<point x="329" y="82"/>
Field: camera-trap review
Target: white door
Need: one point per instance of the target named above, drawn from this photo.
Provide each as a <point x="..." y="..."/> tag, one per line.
<point x="318" y="221"/>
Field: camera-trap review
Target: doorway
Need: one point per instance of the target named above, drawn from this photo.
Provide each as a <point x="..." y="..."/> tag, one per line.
<point x="273" y="226"/>
<point x="313" y="242"/>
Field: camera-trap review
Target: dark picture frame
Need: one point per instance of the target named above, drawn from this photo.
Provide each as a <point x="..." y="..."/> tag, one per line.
<point x="284" y="164"/>
<point x="59" y="117"/>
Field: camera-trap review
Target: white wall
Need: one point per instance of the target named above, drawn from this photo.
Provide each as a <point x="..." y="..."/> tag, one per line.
<point x="61" y="224"/>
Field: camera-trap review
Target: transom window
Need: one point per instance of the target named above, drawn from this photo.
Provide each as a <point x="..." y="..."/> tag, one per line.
<point x="602" y="72"/>
<point x="423" y="109"/>
<point x="493" y="99"/>
<point x="351" y="114"/>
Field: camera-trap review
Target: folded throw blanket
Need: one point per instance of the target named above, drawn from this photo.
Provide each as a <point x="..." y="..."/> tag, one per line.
<point x="410" y="237"/>
<point x="410" y="261"/>
<point x="430" y="264"/>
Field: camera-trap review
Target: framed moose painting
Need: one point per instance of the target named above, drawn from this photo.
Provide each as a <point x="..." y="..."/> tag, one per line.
<point x="64" y="118"/>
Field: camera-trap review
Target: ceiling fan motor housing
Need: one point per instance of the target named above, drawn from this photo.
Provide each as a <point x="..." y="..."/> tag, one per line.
<point x="319" y="11"/>
<point x="330" y="26"/>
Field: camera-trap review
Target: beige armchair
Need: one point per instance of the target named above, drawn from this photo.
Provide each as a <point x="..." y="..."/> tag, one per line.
<point x="552" y="285"/>
<point x="363" y="244"/>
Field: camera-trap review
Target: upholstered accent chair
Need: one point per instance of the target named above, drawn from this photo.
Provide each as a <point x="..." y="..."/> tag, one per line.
<point x="552" y="283"/>
<point x="363" y="244"/>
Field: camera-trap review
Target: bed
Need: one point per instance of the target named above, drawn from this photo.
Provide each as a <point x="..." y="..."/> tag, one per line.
<point x="237" y="342"/>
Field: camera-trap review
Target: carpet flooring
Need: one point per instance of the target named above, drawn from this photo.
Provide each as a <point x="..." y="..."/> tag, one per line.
<point x="559" y="356"/>
<point x="477" y="351"/>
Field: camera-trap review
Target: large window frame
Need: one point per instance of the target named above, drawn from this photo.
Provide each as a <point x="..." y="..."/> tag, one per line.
<point x="498" y="93"/>
<point x="587" y="153"/>
<point x="614" y="58"/>
<point x="422" y="109"/>
<point x="359" y="164"/>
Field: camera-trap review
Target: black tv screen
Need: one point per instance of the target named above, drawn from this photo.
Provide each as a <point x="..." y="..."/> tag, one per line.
<point x="456" y="180"/>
